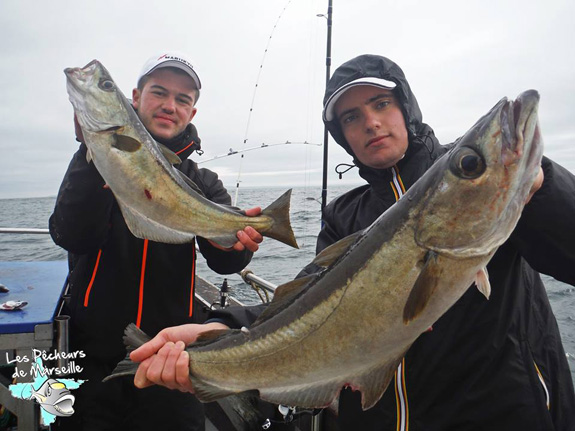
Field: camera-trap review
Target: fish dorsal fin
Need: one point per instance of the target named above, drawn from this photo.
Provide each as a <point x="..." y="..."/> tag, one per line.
<point x="285" y="295"/>
<point x="126" y="143"/>
<point x="482" y="282"/>
<point x="330" y="254"/>
<point x="190" y="182"/>
<point x="170" y="156"/>
<point x="423" y="288"/>
<point x="211" y="335"/>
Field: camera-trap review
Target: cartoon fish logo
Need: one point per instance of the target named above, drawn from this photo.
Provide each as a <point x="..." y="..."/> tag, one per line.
<point x="54" y="397"/>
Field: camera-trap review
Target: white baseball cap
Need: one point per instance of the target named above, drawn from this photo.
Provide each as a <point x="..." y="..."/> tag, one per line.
<point x="328" y="111"/>
<point x="170" y="59"/>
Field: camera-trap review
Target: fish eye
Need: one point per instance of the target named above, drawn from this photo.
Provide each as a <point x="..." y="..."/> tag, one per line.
<point x="48" y="390"/>
<point x="106" y="84"/>
<point x="467" y="163"/>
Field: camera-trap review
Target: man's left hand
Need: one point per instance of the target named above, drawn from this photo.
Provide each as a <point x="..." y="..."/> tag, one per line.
<point x="248" y="239"/>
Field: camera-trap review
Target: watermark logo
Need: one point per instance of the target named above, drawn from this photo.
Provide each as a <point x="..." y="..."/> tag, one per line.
<point x="49" y="389"/>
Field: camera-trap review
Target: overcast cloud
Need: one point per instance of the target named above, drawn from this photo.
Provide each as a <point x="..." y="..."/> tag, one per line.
<point x="460" y="59"/>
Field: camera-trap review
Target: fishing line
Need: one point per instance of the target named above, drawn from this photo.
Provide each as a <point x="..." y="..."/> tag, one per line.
<point x="233" y="152"/>
<point x="254" y="98"/>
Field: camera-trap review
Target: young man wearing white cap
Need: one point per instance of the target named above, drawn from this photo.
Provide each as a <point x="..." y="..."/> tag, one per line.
<point x="117" y="279"/>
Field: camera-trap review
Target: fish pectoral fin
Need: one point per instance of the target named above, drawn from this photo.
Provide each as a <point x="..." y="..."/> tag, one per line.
<point x="423" y="288"/>
<point x="190" y="182"/>
<point x="126" y="143"/>
<point x="284" y="296"/>
<point x="330" y="254"/>
<point x="373" y="384"/>
<point x="482" y="282"/>
<point x="170" y="156"/>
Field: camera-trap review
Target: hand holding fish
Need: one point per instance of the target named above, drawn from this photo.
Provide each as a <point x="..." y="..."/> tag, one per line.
<point x="248" y="238"/>
<point x="536" y="185"/>
<point x="163" y="360"/>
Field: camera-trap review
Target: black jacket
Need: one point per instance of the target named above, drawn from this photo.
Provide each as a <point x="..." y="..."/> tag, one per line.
<point x="117" y="278"/>
<point x="494" y="364"/>
<point x="486" y="365"/>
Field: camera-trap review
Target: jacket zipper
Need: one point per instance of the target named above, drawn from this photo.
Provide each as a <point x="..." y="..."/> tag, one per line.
<point x="400" y="388"/>
<point x="547" y="398"/>
<point x="193" y="278"/>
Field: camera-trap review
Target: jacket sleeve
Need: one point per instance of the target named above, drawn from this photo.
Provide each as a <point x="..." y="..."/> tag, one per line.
<point x="220" y="261"/>
<point x="545" y="233"/>
<point x="80" y="221"/>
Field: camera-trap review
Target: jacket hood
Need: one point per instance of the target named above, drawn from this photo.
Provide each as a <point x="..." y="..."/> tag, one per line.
<point x="375" y="66"/>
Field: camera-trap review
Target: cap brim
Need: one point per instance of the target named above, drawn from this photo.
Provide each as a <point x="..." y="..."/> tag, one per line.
<point x="329" y="108"/>
<point x="181" y="66"/>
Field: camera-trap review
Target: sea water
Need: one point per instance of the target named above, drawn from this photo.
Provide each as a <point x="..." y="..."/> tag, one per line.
<point x="275" y="262"/>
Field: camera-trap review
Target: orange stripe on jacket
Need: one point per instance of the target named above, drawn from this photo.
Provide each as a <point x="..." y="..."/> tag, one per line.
<point x="87" y="296"/>
<point x="142" y="277"/>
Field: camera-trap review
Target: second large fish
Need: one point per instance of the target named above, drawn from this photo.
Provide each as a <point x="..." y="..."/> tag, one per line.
<point x="157" y="201"/>
<point x="326" y="331"/>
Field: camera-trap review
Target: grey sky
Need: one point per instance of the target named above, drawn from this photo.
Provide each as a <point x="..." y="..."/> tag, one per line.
<point x="460" y="59"/>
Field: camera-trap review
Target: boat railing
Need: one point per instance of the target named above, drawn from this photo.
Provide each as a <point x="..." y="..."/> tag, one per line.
<point x="23" y="230"/>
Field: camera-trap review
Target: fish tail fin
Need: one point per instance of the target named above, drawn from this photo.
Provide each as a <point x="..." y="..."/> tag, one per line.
<point x="281" y="229"/>
<point x="134" y="337"/>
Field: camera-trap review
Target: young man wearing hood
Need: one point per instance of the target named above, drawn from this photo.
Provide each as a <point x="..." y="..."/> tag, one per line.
<point x="117" y="279"/>
<point x="486" y="365"/>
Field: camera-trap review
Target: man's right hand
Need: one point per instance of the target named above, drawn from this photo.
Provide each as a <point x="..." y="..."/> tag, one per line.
<point x="163" y="359"/>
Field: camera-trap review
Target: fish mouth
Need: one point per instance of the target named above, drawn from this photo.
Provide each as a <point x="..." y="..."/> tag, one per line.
<point x="61" y="407"/>
<point x="78" y="77"/>
<point x="80" y="82"/>
<point x="520" y="130"/>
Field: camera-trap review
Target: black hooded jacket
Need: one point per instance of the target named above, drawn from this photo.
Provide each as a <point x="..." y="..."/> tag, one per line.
<point x="487" y="365"/>
<point x="116" y="278"/>
<point x="494" y="364"/>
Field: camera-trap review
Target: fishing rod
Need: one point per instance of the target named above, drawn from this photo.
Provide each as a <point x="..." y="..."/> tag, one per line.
<point x="253" y="100"/>
<point x="327" y="76"/>
<point x="233" y="152"/>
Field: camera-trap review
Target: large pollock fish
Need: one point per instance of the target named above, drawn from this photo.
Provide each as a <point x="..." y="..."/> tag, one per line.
<point x="157" y="201"/>
<point x="324" y="332"/>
